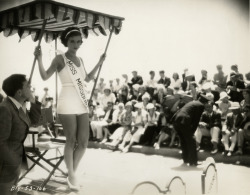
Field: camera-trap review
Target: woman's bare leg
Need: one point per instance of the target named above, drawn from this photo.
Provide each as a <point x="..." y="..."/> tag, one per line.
<point x="82" y="139"/>
<point x="69" y="124"/>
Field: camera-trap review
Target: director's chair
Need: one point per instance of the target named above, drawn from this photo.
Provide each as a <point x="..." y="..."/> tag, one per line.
<point x="37" y="149"/>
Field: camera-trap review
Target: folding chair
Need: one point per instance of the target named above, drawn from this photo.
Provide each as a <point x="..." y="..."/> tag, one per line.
<point x="37" y="150"/>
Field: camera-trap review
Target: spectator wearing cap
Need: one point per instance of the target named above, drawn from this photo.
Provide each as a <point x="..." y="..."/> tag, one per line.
<point x="106" y="97"/>
<point x="125" y="121"/>
<point x="209" y="125"/>
<point x="114" y="124"/>
<point x="204" y="77"/>
<point x="244" y="131"/>
<point x="246" y="96"/>
<point x="231" y="128"/>
<point x="138" y="127"/>
<point x="234" y="87"/>
<point x="151" y="83"/>
<point x="223" y="105"/>
<point x="101" y="85"/>
<point x="220" y="79"/>
<point x="185" y="122"/>
<point x="165" y="127"/>
<point x="163" y="79"/>
<point x="234" y="68"/>
<point x="151" y="126"/>
<point x="136" y="79"/>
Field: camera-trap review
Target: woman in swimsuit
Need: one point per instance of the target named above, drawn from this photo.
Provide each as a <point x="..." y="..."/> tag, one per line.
<point x="72" y="111"/>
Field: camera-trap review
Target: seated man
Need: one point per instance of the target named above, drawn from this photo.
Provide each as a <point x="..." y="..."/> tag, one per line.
<point x="209" y="125"/>
<point x="97" y="126"/>
<point x="14" y="125"/>
<point x="231" y="127"/>
<point x="244" y="131"/>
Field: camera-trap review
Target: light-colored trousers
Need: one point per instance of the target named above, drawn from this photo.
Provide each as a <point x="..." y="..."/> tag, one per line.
<point x="96" y="127"/>
<point x="226" y="140"/>
<point x="214" y="133"/>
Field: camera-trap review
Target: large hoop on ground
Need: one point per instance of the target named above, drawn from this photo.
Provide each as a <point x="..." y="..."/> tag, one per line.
<point x="209" y="180"/>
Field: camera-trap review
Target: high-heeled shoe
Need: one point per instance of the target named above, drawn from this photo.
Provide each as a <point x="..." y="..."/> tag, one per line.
<point x="71" y="186"/>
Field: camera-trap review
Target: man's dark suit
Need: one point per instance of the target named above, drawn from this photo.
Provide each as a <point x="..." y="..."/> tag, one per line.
<point x="165" y="81"/>
<point x="211" y="121"/>
<point x="14" y="126"/>
<point x="230" y="121"/>
<point x="185" y="122"/>
<point x="236" y="96"/>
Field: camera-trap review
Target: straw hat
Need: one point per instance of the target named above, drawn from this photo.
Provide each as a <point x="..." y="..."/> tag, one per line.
<point x="146" y="96"/>
<point x="150" y="106"/>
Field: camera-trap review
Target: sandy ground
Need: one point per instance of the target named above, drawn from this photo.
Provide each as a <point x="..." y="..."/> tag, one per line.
<point x="104" y="172"/>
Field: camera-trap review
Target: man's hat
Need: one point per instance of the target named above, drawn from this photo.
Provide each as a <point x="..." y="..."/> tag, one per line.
<point x="138" y="105"/>
<point x="234" y="66"/>
<point x="204" y="98"/>
<point x="234" y="106"/>
<point x="129" y="103"/>
<point x="150" y="106"/>
<point x="134" y="71"/>
<point x="152" y="72"/>
<point x="162" y="71"/>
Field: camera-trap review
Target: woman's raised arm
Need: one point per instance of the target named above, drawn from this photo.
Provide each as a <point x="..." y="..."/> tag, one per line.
<point x="45" y="74"/>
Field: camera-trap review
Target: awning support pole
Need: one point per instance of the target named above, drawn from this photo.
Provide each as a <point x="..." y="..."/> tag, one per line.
<point x="39" y="43"/>
<point x="99" y="70"/>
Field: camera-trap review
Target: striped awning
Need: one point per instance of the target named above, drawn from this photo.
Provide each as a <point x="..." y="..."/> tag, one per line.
<point x="27" y="19"/>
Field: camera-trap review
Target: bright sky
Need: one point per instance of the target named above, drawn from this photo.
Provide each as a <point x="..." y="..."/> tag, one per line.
<point x="157" y="35"/>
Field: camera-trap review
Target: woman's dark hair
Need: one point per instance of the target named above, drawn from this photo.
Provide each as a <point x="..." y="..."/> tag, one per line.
<point x="13" y="83"/>
<point x="69" y="32"/>
<point x="175" y="73"/>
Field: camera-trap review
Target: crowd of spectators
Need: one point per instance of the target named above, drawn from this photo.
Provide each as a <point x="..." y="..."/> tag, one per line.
<point x="139" y="112"/>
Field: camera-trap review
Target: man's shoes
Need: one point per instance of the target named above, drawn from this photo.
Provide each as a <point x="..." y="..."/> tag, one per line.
<point x="214" y="151"/>
<point x="156" y="146"/>
<point x="126" y="149"/>
<point x="225" y="153"/>
<point x="104" y="141"/>
<point x="229" y="153"/>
